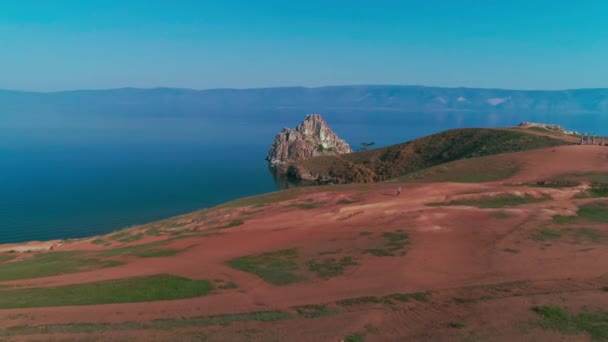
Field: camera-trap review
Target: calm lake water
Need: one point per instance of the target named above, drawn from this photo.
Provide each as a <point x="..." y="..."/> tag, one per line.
<point x="69" y="178"/>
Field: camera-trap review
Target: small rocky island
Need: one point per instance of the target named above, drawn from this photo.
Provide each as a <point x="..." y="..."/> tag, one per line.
<point x="311" y="138"/>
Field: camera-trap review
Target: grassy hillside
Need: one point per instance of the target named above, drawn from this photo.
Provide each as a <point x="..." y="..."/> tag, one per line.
<point x="397" y="160"/>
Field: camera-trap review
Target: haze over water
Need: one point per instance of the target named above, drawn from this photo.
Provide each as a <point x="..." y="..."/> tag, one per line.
<point x="65" y="178"/>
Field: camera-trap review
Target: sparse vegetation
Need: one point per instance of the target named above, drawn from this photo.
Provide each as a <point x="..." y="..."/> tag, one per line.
<point x="153" y="231"/>
<point x="52" y="263"/>
<point x="278" y="267"/>
<point x="595" y="211"/>
<point x="458" y="325"/>
<point x="502" y="215"/>
<point x="101" y="242"/>
<point x="499" y="201"/>
<point x="464" y="171"/>
<point x="305" y="206"/>
<point x="161" y="324"/>
<point x="564" y="219"/>
<point x="511" y="250"/>
<point x="594" y="324"/>
<point x="314" y="311"/>
<point x="546" y="234"/>
<point x="598" y="190"/>
<point x="395" y="242"/>
<point x="265" y="199"/>
<point x="5" y="257"/>
<point x="227" y="286"/>
<point x="156" y="253"/>
<point x="588" y="234"/>
<point x="500" y="287"/>
<point x="331" y="267"/>
<point x="356" y="337"/>
<point x="556" y="184"/>
<point x="140" y="289"/>
<point x="132" y="250"/>
<point x="233" y="223"/>
<point x="462" y="300"/>
<point x="337" y="251"/>
<point x="390" y="299"/>
<point x="370" y="329"/>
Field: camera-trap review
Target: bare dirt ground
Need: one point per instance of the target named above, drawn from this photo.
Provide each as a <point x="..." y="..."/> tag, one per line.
<point x="483" y="269"/>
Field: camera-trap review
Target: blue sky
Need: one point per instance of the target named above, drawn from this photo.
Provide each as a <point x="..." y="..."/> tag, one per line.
<point x="56" y="45"/>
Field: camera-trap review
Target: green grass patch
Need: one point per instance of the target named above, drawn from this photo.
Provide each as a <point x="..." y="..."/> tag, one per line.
<point x="277" y="267"/>
<point x="502" y="215"/>
<point x="130" y="290"/>
<point x="228" y="286"/>
<point x="331" y="267"/>
<point x="457" y="325"/>
<point x="365" y="233"/>
<point x="156" y="253"/>
<point x="379" y="252"/>
<point x="314" y="311"/>
<point x="337" y="251"/>
<point x="564" y="219"/>
<point x="52" y="263"/>
<point x="546" y="234"/>
<point x="500" y="201"/>
<point x="594" y="324"/>
<point x="598" y="190"/>
<point x="396" y="241"/>
<point x="346" y="201"/>
<point x="132" y="250"/>
<point x="588" y="234"/>
<point x="356" y="337"/>
<point x="305" y="206"/>
<point x="595" y="211"/>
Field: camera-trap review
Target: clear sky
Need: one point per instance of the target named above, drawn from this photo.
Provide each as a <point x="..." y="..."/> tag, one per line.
<point x="52" y="45"/>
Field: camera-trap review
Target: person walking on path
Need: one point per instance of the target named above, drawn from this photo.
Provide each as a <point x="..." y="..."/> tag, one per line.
<point x="398" y="191"/>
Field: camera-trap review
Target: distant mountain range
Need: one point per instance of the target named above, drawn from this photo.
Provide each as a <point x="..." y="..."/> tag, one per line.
<point x="227" y="103"/>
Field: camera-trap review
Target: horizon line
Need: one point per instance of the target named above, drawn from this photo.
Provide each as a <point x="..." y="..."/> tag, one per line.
<point x="291" y="87"/>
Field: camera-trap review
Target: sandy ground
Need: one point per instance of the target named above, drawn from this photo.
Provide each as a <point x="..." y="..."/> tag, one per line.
<point x="454" y="252"/>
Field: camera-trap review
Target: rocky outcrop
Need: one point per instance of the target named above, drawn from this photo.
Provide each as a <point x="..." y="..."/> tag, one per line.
<point x="311" y="138"/>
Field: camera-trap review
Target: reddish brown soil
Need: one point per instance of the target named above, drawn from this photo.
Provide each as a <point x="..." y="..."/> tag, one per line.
<point x="454" y="252"/>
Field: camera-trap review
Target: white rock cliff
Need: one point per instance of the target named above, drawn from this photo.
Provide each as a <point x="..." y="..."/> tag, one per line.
<point x="311" y="138"/>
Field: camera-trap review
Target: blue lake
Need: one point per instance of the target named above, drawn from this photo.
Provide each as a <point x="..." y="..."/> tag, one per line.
<point x="69" y="178"/>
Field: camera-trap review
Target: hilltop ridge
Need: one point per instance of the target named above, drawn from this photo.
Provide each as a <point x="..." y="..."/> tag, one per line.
<point x="392" y="161"/>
